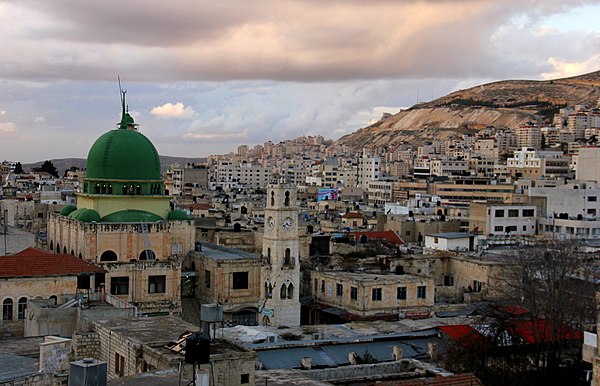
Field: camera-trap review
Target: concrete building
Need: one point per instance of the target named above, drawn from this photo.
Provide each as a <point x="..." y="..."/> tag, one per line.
<point x="531" y="163"/>
<point x="588" y="164"/>
<point x="503" y="219"/>
<point x="369" y="168"/>
<point x="450" y="241"/>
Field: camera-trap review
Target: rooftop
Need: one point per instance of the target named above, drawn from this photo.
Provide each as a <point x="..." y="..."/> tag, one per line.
<point x="217" y="252"/>
<point x="452" y="235"/>
<point x="32" y="262"/>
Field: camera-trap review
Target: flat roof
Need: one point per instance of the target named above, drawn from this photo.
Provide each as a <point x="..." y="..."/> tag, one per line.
<point x="452" y="235"/>
<point x="217" y="252"/>
<point x="14" y="367"/>
<point x="375" y="277"/>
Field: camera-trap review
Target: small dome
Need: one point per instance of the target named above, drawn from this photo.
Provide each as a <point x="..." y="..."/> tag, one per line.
<point x="85" y="215"/>
<point x="67" y="210"/>
<point x="132" y="215"/>
<point x="177" y="215"/>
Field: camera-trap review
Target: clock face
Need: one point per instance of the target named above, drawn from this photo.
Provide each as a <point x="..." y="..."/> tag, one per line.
<point x="287" y="223"/>
<point x="271" y="222"/>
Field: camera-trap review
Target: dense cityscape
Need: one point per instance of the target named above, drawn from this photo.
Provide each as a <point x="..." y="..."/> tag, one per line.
<point x="299" y="193"/>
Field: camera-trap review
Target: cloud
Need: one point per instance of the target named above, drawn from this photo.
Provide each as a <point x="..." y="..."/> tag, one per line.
<point x="299" y="40"/>
<point x="39" y="120"/>
<point x="7" y="127"/>
<point x="170" y="110"/>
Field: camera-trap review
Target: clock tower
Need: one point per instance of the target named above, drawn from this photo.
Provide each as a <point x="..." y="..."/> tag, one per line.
<point x="280" y="304"/>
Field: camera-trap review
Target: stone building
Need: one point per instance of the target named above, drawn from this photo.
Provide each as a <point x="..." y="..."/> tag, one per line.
<point x="280" y="304"/>
<point x="36" y="274"/>
<point x="372" y="295"/>
<point x="123" y="221"/>
<point x="231" y="278"/>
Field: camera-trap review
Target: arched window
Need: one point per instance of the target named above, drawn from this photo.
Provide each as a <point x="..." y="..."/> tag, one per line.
<point x="52" y="300"/>
<point x="283" y="292"/>
<point x="51" y="246"/>
<point x="124" y="190"/>
<point x="138" y="190"/>
<point x="57" y="248"/>
<point x="290" y="291"/>
<point x="286" y="201"/>
<point x="269" y="255"/>
<point x="147" y="254"/>
<point x="272" y="198"/>
<point x="108" y="256"/>
<point x="72" y="252"/>
<point x="64" y="250"/>
<point x="81" y="257"/>
<point x="21" y="308"/>
<point x="109" y="190"/>
<point x="287" y="259"/>
<point x="7" y="309"/>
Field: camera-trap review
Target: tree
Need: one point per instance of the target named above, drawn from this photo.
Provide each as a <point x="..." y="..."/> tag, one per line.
<point x="48" y="167"/>
<point x="18" y="168"/>
<point x="555" y="282"/>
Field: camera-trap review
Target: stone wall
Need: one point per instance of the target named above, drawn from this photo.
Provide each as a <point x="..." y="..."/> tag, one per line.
<point x="11" y="329"/>
<point x="85" y="345"/>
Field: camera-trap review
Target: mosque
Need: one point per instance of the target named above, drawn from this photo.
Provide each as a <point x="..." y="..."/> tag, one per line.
<point x="124" y="223"/>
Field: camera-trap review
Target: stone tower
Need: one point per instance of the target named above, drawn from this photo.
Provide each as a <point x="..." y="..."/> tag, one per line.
<point x="280" y="304"/>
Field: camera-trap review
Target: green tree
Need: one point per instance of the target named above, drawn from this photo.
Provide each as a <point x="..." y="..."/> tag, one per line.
<point x="18" y="168"/>
<point x="48" y="167"/>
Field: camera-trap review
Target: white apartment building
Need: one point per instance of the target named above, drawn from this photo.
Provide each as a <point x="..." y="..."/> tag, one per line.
<point x="449" y="167"/>
<point x="588" y="164"/>
<point x="503" y="219"/>
<point x="243" y="174"/>
<point x="369" y="168"/>
<point x="529" y="136"/>
<point x="380" y="192"/>
<point x="531" y="163"/>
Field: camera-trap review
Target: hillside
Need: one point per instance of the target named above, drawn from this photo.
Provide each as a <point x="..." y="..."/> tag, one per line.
<point x="501" y="104"/>
<point x="62" y="164"/>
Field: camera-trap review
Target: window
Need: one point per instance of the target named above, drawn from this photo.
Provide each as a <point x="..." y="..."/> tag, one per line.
<point x="498" y="228"/>
<point x="513" y="213"/>
<point x="353" y="293"/>
<point x="528" y="212"/>
<point x="157" y="284"/>
<point x="592" y="198"/>
<point x="477" y="286"/>
<point x="339" y="289"/>
<point x="322" y="285"/>
<point x="7" y="309"/>
<point x="376" y="294"/>
<point x="244" y="378"/>
<point x="119" y="364"/>
<point x="510" y="228"/>
<point x="119" y="285"/>
<point x="21" y="308"/>
<point x="240" y="280"/>
<point x="401" y="293"/>
<point x="448" y="280"/>
<point x="436" y="240"/>
<point x="207" y="278"/>
<point x="499" y="213"/>
<point x="421" y="292"/>
<point x="108" y="256"/>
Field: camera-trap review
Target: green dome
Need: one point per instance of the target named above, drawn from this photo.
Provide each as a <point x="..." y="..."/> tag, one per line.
<point x="132" y="215"/>
<point x="85" y="215"/>
<point x="123" y="154"/>
<point x="177" y="215"/>
<point x="67" y="210"/>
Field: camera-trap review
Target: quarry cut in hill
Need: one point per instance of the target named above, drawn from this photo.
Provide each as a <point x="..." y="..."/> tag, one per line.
<point x="504" y="104"/>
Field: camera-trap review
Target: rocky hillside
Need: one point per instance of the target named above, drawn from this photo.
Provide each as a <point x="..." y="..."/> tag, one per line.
<point x="501" y="104"/>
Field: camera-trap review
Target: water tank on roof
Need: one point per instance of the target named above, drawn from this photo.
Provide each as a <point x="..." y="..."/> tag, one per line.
<point x="211" y="313"/>
<point x="87" y="372"/>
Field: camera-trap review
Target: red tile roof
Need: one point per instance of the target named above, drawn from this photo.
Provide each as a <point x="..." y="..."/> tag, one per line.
<point x="389" y="236"/>
<point x="462" y="333"/>
<point x="352" y="215"/>
<point x="35" y="262"/>
<point x="540" y="331"/>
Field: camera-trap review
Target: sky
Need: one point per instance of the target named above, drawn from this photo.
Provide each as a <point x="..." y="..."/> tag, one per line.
<point x="203" y="77"/>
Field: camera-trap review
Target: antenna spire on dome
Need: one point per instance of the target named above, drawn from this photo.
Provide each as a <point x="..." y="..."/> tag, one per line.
<point x="126" y="119"/>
